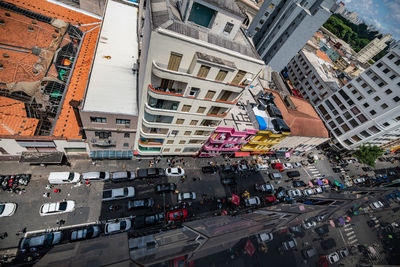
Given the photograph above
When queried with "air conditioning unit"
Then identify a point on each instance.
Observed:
(247, 81)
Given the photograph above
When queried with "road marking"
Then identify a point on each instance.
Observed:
(346, 225)
(353, 241)
(348, 229)
(349, 233)
(377, 225)
(340, 232)
(351, 237)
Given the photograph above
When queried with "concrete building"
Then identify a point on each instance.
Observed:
(339, 8)
(42, 87)
(195, 64)
(373, 48)
(366, 110)
(109, 111)
(233, 132)
(281, 28)
(249, 8)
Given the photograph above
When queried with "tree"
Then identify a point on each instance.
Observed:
(368, 154)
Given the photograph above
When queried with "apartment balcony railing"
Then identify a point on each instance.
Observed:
(103, 143)
(173, 92)
(217, 115)
(149, 143)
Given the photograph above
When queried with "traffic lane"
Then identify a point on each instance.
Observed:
(87, 207)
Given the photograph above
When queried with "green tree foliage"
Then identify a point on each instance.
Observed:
(357, 36)
(368, 154)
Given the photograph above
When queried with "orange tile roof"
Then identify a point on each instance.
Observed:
(303, 121)
(13, 119)
(66, 124)
(323, 56)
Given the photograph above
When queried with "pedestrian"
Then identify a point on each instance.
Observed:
(46, 194)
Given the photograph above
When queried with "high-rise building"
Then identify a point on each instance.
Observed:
(195, 63)
(373, 48)
(339, 8)
(367, 110)
(281, 28)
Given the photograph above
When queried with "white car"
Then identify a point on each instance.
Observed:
(252, 201)
(186, 196)
(7, 209)
(359, 180)
(96, 176)
(376, 205)
(57, 207)
(290, 244)
(333, 257)
(294, 193)
(287, 165)
(262, 166)
(118, 193)
(297, 165)
(347, 181)
(309, 224)
(265, 237)
(116, 227)
(174, 172)
(308, 192)
(318, 190)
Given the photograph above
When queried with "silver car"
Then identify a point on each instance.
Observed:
(86, 233)
(96, 176)
(118, 193)
(44, 240)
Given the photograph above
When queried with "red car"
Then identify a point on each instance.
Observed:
(277, 166)
(177, 215)
(270, 199)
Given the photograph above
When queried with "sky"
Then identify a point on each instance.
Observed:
(384, 14)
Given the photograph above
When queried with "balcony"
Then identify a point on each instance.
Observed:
(151, 141)
(103, 143)
(159, 90)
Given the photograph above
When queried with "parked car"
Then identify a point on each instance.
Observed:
(174, 172)
(96, 176)
(297, 165)
(287, 165)
(123, 176)
(308, 192)
(7, 209)
(293, 174)
(299, 184)
(147, 220)
(343, 252)
(64, 177)
(322, 230)
(277, 166)
(367, 169)
(318, 190)
(275, 175)
(270, 199)
(376, 205)
(268, 188)
(336, 170)
(140, 203)
(243, 166)
(359, 180)
(186, 196)
(321, 217)
(85, 233)
(297, 231)
(177, 215)
(252, 201)
(280, 193)
(347, 181)
(291, 244)
(262, 166)
(228, 181)
(328, 244)
(309, 252)
(209, 169)
(166, 188)
(55, 208)
(117, 227)
(41, 241)
(118, 193)
(265, 237)
(228, 168)
(333, 257)
(309, 224)
(294, 193)
(149, 173)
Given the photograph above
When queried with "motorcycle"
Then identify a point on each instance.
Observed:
(114, 207)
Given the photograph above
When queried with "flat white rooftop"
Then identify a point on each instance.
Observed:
(112, 85)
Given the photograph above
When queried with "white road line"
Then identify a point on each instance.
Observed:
(377, 225)
(351, 237)
(346, 225)
(340, 232)
(348, 229)
(349, 233)
(353, 241)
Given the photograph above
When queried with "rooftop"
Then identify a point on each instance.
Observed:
(302, 119)
(112, 85)
(165, 14)
(323, 67)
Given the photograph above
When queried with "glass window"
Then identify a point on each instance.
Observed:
(386, 124)
(348, 142)
(356, 138)
(361, 118)
(353, 123)
(339, 120)
(347, 115)
(194, 122)
(123, 121)
(186, 108)
(182, 142)
(221, 75)
(210, 94)
(98, 119)
(344, 95)
(366, 105)
(180, 121)
(384, 106)
(203, 71)
(239, 76)
(374, 129)
(379, 65)
(396, 99)
(174, 61)
(228, 27)
(386, 70)
(377, 98)
(188, 132)
(365, 134)
(127, 135)
(169, 142)
(345, 127)
(372, 112)
(388, 91)
(337, 132)
(201, 110)
(355, 110)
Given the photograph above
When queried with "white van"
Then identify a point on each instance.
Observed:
(64, 177)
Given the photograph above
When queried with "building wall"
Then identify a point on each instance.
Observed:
(367, 110)
(263, 141)
(72, 147)
(190, 137)
(299, 143)
(122, 136)
(11, 147)
(373, 48)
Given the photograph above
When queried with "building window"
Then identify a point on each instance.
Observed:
(397, 118)
(374, 129)
(366, 105)
(239, 76)
(98, 119)
(339, 120)
(355, 110)
(126, 144)
(194, 91)
(221, 75)
(365, 134)
(364, 85)
(379, 65)
(166, 150)
(361, 118)
(337, 132)
(356, 138)
(127, 135)
(396, 99)
(174, 132)
(391, 56)
(170, 142)
(345, 127)
(194, 122)
(377, 98)
(388, 91)
(381, 84)
(201, 110)
(182, 142)
(386, 70)
(386, 124)
(180, 121)
(332, 124)
(186, 108)
(123, 121)
(360, 98)
(102, 135)
(188, 132)
(397, 62)
(392, 77)
(348, 142)
(347, 115)
(177, 150)
(203, 71)
(228, 27)
(210, 94)
(354, 92)
(372, 112)
(384, 106)
(174, 61)
(353, 123)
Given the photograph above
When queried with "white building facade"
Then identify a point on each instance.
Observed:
(281, 28)
(366, 110)
(195, 64)
(373, 48)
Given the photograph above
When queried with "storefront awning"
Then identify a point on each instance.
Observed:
(111, 154)
(242, 154)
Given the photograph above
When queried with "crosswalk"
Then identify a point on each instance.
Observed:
(351, 237)
(377, 223)
(314, 171)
